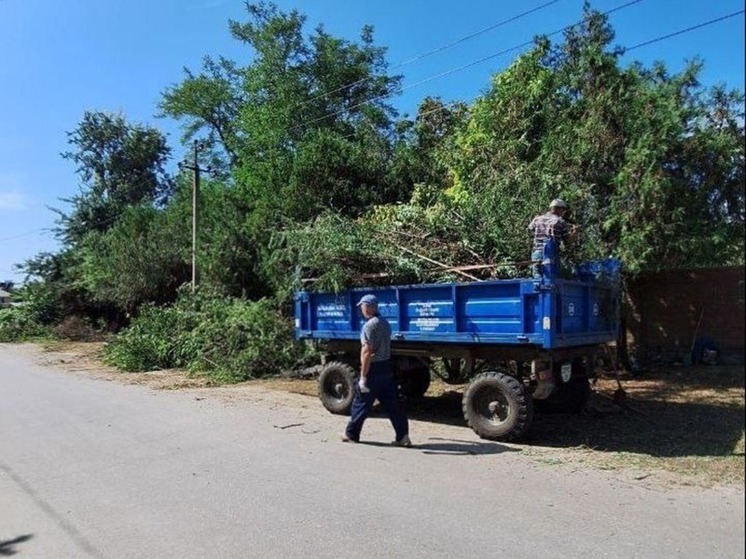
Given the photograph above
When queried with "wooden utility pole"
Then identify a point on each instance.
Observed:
(196, 170)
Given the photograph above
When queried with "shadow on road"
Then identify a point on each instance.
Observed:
(671, 413)
(7, 547)
(658, 428)
(451, 447)
(455, 447)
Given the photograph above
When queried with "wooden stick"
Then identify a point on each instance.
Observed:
(486, 266)
(445, 266)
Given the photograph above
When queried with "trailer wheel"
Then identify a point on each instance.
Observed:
(414, 382)
(567, 398)
(412, 375)
(337, 387)
(497, 407)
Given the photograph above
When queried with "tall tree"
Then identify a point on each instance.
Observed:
(119, 165)
(304, 126)
(651, 163)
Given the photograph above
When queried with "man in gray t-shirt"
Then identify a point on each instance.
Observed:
(376, 334)
(376, 381)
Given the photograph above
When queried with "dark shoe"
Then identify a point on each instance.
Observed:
(348, 439)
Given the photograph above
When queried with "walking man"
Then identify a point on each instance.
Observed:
(376, 381)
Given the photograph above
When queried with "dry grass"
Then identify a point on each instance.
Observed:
(682, 424)
(85, 358)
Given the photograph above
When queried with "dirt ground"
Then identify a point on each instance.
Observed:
(680, 425)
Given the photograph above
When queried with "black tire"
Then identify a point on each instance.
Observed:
(568, 397)
(497, 407)
(412, 377)
(337, 387)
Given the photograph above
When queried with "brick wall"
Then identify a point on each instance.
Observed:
(665, 308)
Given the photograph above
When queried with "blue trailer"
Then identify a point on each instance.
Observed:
(519, 343)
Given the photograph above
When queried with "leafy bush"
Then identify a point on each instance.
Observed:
(16, 324)
(42, 302)
(148, 343)
(229, 339)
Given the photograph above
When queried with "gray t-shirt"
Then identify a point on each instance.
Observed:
(376, 333)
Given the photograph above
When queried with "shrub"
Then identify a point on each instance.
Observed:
(230, 339)
(148, 343)
(242, 340)
(16, 325)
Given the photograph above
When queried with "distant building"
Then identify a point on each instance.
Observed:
(4, 299)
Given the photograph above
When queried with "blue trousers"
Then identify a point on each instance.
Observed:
(537, 268)
(383, 388)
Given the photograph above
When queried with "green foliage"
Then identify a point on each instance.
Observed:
(143, 257)
(331, 251)
(651, 165)
(102, 270)
(229, 243)
(228, 339)
(148, 343)
(318, 180)
(17, 325)
(297, 138)
(119, 165)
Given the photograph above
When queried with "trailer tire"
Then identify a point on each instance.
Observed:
(567, 398)
(337, 387)
(497, 407)
(413, 379)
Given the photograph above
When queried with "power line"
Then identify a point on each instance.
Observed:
(466, 38)
(435, 50)
(682, 31)
(454, 70)
(26, 234)
(655, 40)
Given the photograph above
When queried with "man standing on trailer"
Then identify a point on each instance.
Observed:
(377, 381)
(551, 225)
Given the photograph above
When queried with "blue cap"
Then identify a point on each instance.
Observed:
(368, 300)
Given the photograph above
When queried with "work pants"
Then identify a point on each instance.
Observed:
(383, 387)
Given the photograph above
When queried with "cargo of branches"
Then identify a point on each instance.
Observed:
(516, 344)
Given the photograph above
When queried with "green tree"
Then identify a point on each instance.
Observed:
(304, 126)
(119, 165)
(143, 257)
(651, 163)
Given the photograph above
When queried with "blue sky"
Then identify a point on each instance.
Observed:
(58, 59)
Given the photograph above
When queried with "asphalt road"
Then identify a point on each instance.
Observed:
(90, 468)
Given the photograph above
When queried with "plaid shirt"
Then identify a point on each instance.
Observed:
(548, 226)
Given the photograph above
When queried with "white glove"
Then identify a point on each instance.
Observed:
(363, 387)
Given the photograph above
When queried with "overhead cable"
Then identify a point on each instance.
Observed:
(645, 43)
(454, 70)
(682, 31)
(436, 50)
